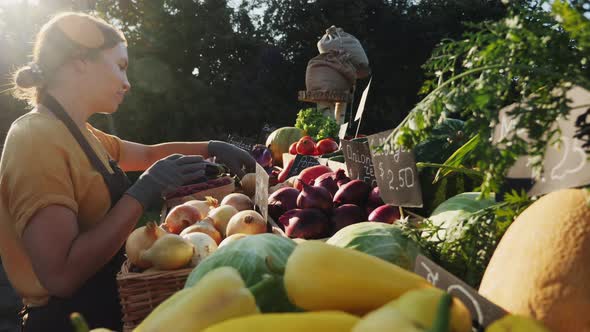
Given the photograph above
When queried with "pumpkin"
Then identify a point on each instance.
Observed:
(280, 140)
(541, 267)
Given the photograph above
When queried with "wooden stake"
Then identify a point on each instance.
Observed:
(339, 113)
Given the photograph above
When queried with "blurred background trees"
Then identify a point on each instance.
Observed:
(203, 69)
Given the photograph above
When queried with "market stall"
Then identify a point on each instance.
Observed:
(395, 230)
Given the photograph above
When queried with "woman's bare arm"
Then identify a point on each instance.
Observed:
(64, 258)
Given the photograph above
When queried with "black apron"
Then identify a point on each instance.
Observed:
(98, 299)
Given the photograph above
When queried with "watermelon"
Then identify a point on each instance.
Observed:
(248, 256)
(280, 140)
(385, 241)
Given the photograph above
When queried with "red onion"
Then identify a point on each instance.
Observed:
(306, 224)
(327, 181)
(284, 218)
(314, 198)
(369, 209)
(345, 215)
(341, 178)
(354, 192)
(375, 198)
(385, 213)
(309, 175)
(281, 201)
(262, 155)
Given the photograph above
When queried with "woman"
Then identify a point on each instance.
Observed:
(66, 207)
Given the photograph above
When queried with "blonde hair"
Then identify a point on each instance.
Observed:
(65, 37)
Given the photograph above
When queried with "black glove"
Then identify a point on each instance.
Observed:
(165, 176)
(237, 160)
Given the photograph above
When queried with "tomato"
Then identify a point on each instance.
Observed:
(327, 145)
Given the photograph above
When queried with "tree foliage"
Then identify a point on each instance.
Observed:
(203, 69)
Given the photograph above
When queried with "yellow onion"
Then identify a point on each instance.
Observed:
(203, 227)
(221, 216)
(203, 206)
(247, 222)
(140, 240)
(240, 201)
(180, 217)
(204, 246)
(169, 252)
(232, 238)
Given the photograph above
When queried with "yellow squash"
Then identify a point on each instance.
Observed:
(219, 296)
(319, 276)
(324, 321)
(386, 319)
(516, 323)
(415, 310)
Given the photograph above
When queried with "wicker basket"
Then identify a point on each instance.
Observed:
(140, 293)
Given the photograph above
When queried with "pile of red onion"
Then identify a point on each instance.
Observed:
(331, 202)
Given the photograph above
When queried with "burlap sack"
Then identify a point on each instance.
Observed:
(336, 39)
(331, 71)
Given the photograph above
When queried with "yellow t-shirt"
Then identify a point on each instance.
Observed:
(42, 164)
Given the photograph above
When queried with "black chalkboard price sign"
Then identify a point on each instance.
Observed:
(243, 143)
(483, 312)
(300, 163)
(357, 158)
(395, 171)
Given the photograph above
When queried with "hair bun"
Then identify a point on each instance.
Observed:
(28, 77)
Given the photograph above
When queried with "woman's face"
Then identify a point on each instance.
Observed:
(107, 77)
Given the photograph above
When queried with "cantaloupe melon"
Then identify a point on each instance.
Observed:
(541, 267)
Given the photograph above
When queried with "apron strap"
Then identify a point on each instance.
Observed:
(117, 182)
(55, 107)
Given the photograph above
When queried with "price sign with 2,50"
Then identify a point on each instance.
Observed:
(396, 173)
(405, 177)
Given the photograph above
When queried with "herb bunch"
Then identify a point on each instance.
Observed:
(315, 124)
(468, 255)
(529, 60)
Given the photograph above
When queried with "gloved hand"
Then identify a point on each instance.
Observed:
(165, 176)
(237, 160)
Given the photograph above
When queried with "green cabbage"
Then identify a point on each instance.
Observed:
(249, 256)
(378, 239)
(450, 215)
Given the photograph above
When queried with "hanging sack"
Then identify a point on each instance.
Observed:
(331, 72)
(336, 39)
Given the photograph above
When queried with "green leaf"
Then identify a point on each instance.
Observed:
(481, 100)
(457, 158)
(449, 169)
